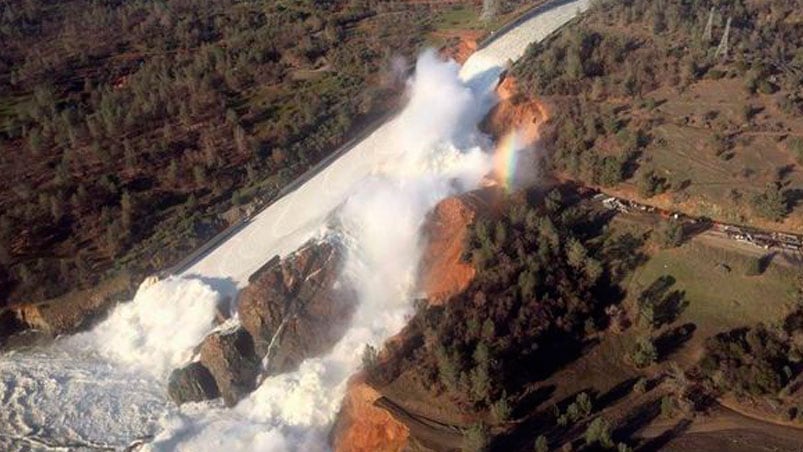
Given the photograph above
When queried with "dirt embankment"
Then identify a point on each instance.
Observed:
(364, 427)
(443, 272)
(460, 43)
(514, 113)
(361, 424)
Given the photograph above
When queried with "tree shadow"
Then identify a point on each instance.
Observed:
(543, 421)
(624, 252)
(615, 394)
(529, 402)
(664, 438)
(668, 342)
(765, 261)
(793, 197)
(638, 418)
(667, 305)
(670, 307)
(785, 170)
(700, 226)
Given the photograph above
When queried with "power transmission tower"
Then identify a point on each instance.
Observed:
(722, 49)
(708, 26)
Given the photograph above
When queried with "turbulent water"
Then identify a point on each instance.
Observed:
(105, 388)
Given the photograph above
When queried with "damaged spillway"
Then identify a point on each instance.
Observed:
(108, 387)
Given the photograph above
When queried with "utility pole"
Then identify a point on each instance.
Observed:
(708, 26)
(722, 49)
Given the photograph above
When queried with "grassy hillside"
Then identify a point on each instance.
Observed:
(585, 329)
(642, 102)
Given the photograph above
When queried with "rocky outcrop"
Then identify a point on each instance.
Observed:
(230, 358)
(75, 311)
(295, 308)
(292, 309)
(191, 383)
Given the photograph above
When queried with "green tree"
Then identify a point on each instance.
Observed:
(771, 203)
(480, 376)
(369, 357)
(667, 406)
(541, 444)
(650, 184)
(644, 354)
(127, 211)
(670, 234)
(476, 438)
(501, 409)
(447, 369)
(599, 432)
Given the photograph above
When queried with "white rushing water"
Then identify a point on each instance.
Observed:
(106, 386)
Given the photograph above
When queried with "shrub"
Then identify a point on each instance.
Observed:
(599, 432)
(796, 146)
(476, 438)
(650, 184)
(770, 204)
(667, 407)
(644, 354)
(670, 234)
(501, 409)
(640, 387)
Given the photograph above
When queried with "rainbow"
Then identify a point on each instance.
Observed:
(505, 159)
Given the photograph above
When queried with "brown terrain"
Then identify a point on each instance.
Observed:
(462, 43)
(362, 425)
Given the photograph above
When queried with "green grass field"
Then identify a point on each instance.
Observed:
(718, 300)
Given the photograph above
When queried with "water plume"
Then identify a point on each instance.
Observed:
(435, 150)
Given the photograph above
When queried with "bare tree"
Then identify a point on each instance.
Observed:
(489, 8)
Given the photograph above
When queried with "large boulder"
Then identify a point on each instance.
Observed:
(293, 309)
(191, 383)
(230, 357)
(75, 311)
(296, 308)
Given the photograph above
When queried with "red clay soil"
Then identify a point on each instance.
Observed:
(513, 113)
(462, 43)
(443, 273)
(363, 427)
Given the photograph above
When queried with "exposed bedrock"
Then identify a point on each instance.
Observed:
(297, 308)
(192, 383)
(229, 356)
(292, 309)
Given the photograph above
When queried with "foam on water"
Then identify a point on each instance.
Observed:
(379, 223)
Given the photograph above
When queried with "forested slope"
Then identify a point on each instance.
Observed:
(131, 131)
(646, 99)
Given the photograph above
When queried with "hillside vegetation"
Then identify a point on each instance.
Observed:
(132, 131)
(643, 102)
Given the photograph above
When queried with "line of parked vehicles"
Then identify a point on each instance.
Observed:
(757, 237)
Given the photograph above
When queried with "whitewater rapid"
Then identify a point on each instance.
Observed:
(106, 387)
